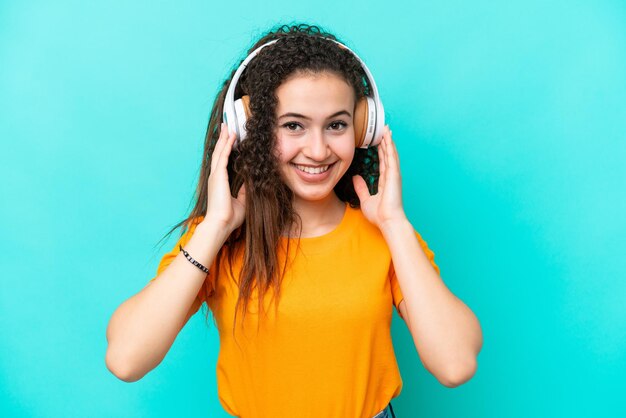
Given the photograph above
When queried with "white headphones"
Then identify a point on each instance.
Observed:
(369, 114)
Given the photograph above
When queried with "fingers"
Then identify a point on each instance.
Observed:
(382, 164)
(217, 150)
(228, 146)
(223, 145)
(393, 161)
(391, 165)
(360, 187)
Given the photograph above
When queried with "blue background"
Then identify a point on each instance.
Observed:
(510, 120)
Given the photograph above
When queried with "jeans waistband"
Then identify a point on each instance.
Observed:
(386, 413)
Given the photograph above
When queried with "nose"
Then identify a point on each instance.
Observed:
(316, 147)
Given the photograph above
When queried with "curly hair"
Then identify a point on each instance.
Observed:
(302, 49)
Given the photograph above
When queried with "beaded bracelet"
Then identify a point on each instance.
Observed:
(194, 262)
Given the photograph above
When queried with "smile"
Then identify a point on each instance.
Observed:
(314, 174)
(312, 170)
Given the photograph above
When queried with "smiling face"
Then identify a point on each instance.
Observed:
(314, 133)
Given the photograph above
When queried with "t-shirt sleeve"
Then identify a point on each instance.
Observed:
(395, 286)
(167, 259)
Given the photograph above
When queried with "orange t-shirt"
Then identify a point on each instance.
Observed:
(326, 351)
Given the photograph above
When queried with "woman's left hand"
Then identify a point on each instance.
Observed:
(386, 205)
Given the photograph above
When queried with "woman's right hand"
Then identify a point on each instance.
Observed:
(222, 208)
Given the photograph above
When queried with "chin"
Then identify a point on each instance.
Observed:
(313, 197)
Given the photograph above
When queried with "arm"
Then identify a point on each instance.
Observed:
(142, 330)
(446, 333)
(144, 327)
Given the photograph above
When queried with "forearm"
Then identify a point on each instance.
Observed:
(445, 331)
(144, 327)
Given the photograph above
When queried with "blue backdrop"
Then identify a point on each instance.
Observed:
(510, 120)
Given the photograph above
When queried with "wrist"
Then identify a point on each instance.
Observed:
(214, 230)
(396, 225)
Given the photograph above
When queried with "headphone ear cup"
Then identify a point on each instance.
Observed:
(242, 113)
(360, 122)
(364, 122)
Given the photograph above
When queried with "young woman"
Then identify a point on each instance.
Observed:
(300, 246)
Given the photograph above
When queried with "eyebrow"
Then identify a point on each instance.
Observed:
(298, 115)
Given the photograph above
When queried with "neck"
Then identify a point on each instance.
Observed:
(320, 216)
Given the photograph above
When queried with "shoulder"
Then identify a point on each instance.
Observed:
(365, 234)
(362, 226)
(357, 217)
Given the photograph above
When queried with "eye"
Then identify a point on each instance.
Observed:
(338, 125)
(291, 126)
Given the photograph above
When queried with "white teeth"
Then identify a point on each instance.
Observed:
(312, 170)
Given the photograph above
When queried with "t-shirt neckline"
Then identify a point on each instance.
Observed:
(328, 240)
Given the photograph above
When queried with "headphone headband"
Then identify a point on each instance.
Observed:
(375, 117)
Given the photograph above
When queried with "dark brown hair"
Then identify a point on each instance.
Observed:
(269, 212)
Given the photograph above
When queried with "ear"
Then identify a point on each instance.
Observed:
(241, 194)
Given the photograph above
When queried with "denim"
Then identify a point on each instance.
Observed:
(386, 413)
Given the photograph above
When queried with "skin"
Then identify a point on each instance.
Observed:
(322, 136)
(446, 333)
